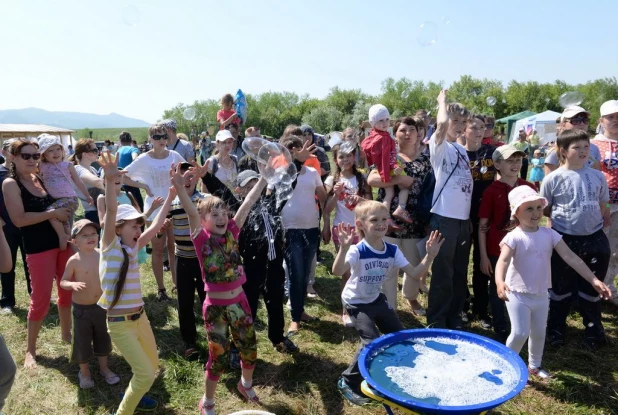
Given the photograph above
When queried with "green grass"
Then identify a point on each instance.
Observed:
(305, 383)
(101, 134)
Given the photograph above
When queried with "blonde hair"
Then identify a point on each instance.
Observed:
(207, 205)
(364, 209)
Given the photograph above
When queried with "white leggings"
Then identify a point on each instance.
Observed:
(528, 314)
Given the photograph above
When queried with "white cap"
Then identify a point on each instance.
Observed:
(46, 141)
(522, 194)
(378, 112)
(609, 107)
(223, 135)
(572, 111)
(127, 212)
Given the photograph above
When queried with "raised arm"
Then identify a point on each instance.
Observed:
(247, 204)
(15, 207)
(178, 181)
(346, 237)
(441, 118)
(110, 167)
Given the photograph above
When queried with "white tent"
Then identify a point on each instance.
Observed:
(544, 124)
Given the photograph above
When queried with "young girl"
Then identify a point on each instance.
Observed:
(525, 264)
(226, 308)
(537, 174)
(127, 323)
(59, 177)
(381, 151)
(368, 263)
(226, 115)
(345, 189)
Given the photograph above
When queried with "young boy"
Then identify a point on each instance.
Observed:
(577, 197)
(90, 337)
(368, 262)
(494, 216)
(188, 273)
(450, 216)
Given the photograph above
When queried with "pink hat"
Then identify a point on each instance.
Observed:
(521, 195)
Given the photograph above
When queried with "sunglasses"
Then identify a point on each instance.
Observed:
(92, 150)
(28, 156)
(489, 126)
(578, 121)
(158, 137)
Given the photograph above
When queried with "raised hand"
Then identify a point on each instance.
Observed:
(304, 153)
(346, 234)
(434, 243)
(156, 203)
(176, 177)
(442, 96)
(198, 170)
(109, 164)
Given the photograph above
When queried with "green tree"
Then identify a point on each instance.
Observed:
(324, 119)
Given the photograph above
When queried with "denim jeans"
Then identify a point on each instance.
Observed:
(300, 248)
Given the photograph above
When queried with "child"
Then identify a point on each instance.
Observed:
(90, 337)
(494, 217)
(381, 150)
(226, 115)
(345, 189)
(368, 263)
(525, 257)
(59, 177)
(537, 173)
(215, 238)
(127, 323)
(577, 197)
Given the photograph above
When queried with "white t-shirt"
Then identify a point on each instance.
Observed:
(155, 173)
(369, 269)
(342, 213)
(454, 201)
(300, 211)
(530, 269)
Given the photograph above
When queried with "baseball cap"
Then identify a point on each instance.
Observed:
(170, 123)
(245, 177)
(127, 212)
(572, 111)
(223, 135)
(506, 151)
(609, 107)
(80, 225)
(521, 195)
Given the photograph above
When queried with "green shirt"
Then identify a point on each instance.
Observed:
(521, 146)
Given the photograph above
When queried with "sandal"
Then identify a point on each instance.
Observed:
(248, 393)
(402, 215)
(206, 409)
(111, 379)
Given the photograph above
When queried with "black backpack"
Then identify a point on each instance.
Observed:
(426, 201)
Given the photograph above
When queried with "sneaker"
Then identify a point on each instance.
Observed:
(234, 359)
(555, 338)
(146, 404)
(350, 395)
(289, 304)
(419, 312)
(166, 266)
(162, 296)
(311, 293)
(7, 310)
(347, 321)
(286, 346)
(485, 323)
(538, 373)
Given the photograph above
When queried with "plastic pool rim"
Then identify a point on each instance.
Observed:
(403, 335)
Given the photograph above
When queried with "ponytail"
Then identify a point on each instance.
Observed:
(122, 278)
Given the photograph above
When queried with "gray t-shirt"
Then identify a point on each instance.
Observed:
(184, 148)
(82, 171)
(575, 197)
(595, 155)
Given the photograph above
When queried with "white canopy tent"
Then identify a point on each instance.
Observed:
(31, 131)
(544, 124)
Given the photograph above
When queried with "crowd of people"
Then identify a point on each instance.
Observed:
(445, 190)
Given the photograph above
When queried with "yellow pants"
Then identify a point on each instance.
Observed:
(136, 343)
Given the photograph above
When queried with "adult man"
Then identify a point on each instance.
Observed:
(607, 144)
(182, 147)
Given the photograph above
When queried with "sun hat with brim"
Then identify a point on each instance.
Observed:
(521, 195)
(46, 141)
(127, 212)
(609, 107)
(80, 225)
(223, 135)
(572, 111)
(505, 152)
(245, 177)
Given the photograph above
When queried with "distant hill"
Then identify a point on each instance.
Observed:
(72, 120)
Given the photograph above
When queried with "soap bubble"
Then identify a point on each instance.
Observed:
(570, 98)
(252, 145)
(284, 193)
(504, 101)
(547, 100)
(491, 101)
(427, 34)
(189, 114)
(130, 15)
(405, 94)
(274, 163)
(347, 147)
(446, 20)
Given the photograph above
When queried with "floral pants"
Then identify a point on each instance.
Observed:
(219, 321)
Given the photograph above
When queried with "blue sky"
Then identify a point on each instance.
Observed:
(71, 55)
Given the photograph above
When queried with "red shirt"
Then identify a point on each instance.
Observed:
(495, 207)
(381, 150)
(223, 115)
(609, 164)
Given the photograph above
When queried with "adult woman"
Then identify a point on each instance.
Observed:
(223, 165)
(151, 171)
(126, 154)
(26, 201)
(86, 153)
(416, 166)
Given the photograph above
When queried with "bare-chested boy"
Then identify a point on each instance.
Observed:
(90, 337)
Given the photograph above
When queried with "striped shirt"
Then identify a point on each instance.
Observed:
(109, 270)
(182, 233)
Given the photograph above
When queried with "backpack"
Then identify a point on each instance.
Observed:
(215, 163)
(426, 201)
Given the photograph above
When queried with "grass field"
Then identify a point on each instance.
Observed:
(584, 383)
(101, 134)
